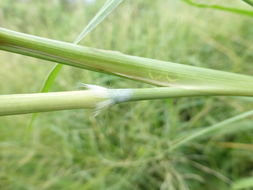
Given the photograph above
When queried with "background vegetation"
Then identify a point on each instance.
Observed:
(126, 147)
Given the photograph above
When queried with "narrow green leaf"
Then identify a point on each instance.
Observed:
(250, 2)
(222, 8)
(45, 88)
(51, 77)
(208, 130)
(108, 8)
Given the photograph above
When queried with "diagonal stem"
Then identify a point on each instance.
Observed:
(151, 71)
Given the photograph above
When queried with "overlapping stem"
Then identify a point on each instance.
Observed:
(161, 73)
(97, 98)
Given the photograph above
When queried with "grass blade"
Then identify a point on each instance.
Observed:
(222, 8)
(48, 83)
(45, 88)
(106, 10)
(249, 2)
(51, 78)
(211, 129)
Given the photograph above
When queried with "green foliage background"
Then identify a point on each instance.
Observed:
(126, 146)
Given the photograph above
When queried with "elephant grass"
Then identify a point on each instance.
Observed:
(177, 80)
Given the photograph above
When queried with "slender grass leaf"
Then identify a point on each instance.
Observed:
(208, 130)
(222, 8)
(51, 77)
(106, 10)
(45, 88)
(249, 2)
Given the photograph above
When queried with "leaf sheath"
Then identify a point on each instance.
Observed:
(151, 71)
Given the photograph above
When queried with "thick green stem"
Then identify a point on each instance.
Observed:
(151, 71)
(44, 102)
(97, 97)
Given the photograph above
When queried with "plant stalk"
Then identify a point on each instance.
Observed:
(44, 102)
(95, 98)
(161, 73)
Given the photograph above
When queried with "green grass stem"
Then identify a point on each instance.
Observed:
(161, 73)
(97, 97)
(151, 71)
(54, 101)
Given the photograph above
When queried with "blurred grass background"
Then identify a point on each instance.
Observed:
(124, 147)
